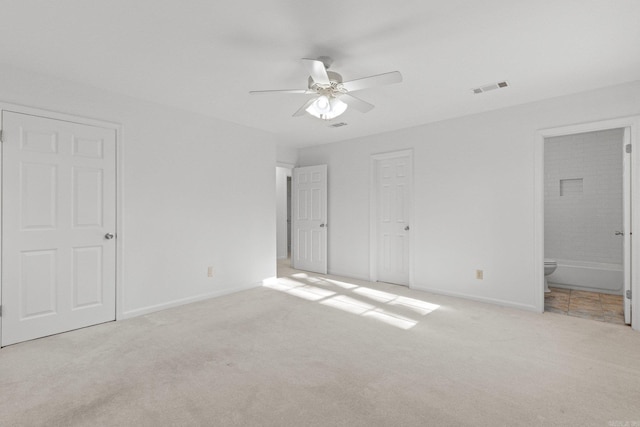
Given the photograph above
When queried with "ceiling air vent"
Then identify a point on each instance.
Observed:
(337, 125)
(492, 86)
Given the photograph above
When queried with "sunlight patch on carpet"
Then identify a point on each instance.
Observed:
(347, 297)
(421, 307)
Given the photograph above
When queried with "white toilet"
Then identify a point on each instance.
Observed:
(550, 266)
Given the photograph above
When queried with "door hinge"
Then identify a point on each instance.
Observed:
(1, 140)
(0, 311)
(628, 293)
(627, 148)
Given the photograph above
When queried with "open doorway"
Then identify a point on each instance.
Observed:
(283, 214)
(301, 217)
(586, 224)
(571, 185)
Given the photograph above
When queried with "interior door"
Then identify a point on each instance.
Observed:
(628, 234)
(393, 199)
(310, 218)
(58, 226)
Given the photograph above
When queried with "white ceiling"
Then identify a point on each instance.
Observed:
(206, 55)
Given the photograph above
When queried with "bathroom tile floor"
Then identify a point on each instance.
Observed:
(588, 305)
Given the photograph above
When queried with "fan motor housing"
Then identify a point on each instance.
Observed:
(336, 85)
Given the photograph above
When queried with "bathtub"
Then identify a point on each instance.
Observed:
(588, 276)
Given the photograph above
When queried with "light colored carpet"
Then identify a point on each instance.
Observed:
(326, 351)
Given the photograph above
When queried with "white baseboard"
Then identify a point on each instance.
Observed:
(494, 301)
(170, 304)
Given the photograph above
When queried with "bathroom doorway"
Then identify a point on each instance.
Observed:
(584, 224)
(584, 204)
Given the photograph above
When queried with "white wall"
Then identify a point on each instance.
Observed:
(579, 224)
(287, 155)
(198, 192)
(473, 194)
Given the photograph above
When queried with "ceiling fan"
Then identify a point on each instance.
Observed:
(332, 96)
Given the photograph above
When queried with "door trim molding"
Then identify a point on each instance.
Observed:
(117, 127)
(289, 168)
(373, 215)
(285, 165)
(633, 123)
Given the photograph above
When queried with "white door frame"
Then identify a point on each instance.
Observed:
(290, 167)
(633, 123)
(373, 212)
(119, 187)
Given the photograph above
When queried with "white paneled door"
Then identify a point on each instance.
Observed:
(393, 203)
(310, 218)
(58, 226)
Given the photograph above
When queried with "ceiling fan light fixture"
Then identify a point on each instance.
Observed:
(322, 105)
(328, 87)
(327, 108)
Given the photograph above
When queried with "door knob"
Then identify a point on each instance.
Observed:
(322, 225)
(619, 233)
(109, 236)
(406, 228)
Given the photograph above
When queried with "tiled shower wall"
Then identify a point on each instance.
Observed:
(583, 196)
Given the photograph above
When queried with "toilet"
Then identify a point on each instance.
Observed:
(550, 266)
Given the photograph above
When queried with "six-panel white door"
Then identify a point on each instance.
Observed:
(58, 198)
(393, 198)
(310, 218)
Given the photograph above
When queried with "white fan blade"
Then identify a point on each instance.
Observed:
(377, 80)
(303, 109)
(356, 103)
(302, 91)
(317, 71)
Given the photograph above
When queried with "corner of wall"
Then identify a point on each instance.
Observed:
(286, 155)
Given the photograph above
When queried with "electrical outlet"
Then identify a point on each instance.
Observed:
(479, 274)
(210, 272)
